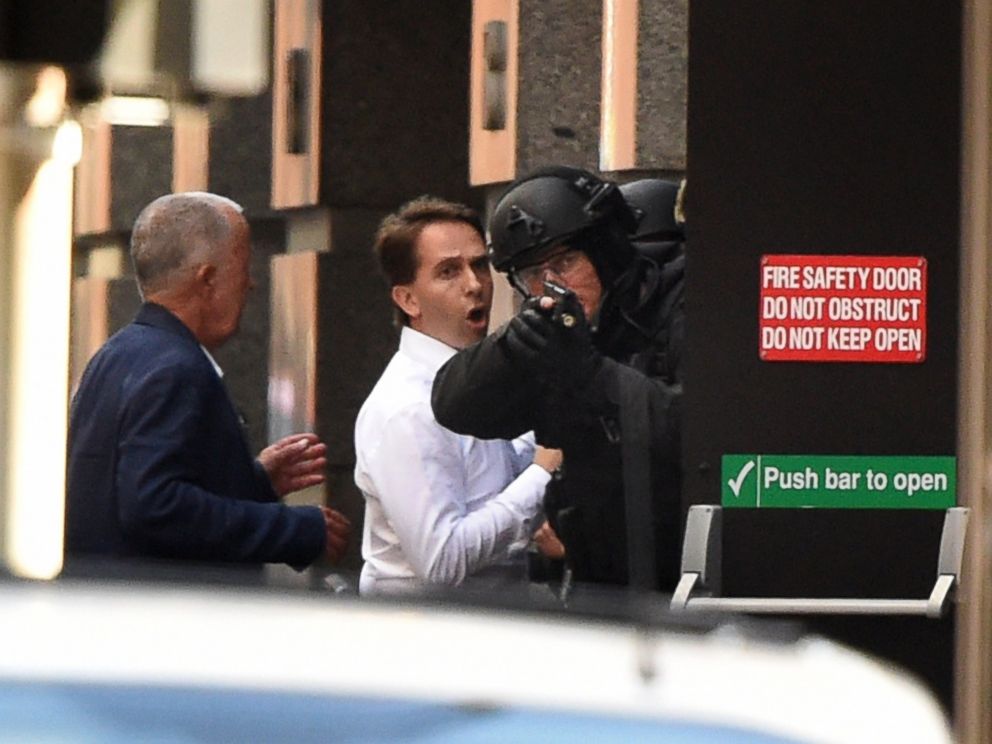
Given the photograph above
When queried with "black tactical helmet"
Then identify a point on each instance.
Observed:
(549, 206)
(659, 230)
(654, 200)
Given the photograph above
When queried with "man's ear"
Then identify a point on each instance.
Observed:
(206, 275)
(405, 300)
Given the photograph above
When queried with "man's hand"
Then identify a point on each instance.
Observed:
(338, 531)
(294, 462)
(548, 543)
(549, 459)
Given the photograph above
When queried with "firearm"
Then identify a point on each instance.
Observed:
(559, 294)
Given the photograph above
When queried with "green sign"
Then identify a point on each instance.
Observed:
(839, 482)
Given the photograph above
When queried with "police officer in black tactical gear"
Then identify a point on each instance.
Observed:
(658, 204)
(592, 363)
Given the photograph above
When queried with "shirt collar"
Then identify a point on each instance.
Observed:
(220, 372)
(425, 349)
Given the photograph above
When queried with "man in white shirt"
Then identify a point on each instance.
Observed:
(440, 508)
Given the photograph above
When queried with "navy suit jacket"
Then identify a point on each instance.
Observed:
(158, 463)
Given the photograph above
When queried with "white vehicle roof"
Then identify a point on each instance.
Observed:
(811, 690)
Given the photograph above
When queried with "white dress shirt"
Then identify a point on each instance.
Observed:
(213, 362)
(440, 507)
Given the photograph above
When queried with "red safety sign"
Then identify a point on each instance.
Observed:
(843, 308)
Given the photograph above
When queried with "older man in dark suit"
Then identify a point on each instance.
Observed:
(158, 463)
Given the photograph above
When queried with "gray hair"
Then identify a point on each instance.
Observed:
(175, 232)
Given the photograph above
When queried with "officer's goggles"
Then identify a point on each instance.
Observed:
(561, 263)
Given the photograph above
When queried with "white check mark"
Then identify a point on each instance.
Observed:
(736, 483)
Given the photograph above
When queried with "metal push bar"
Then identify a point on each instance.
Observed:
(699, 587)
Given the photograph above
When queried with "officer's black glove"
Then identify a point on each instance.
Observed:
(574, 361)
(525, 338)
(553, 344)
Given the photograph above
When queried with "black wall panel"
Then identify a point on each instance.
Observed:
(823, 128)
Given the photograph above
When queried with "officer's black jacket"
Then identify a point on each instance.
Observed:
(640, 334)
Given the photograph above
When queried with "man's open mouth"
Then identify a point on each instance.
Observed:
(476, 315)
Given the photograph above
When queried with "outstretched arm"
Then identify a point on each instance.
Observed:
(480, 392)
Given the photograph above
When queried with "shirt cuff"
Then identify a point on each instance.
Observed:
(534, 480)
(536, 474)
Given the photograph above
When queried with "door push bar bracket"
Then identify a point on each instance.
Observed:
(699, 587)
